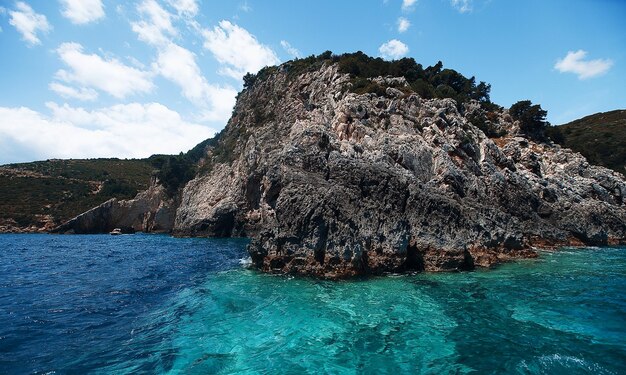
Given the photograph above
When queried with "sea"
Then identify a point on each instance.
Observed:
(153, 304)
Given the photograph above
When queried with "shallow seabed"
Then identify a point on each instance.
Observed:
(155, 304)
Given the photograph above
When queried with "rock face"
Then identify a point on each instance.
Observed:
(150, 211)
(334, 184)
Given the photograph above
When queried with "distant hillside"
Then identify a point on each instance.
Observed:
(601, 138)
(43, 194)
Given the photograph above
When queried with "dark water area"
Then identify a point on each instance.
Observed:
(155, 304)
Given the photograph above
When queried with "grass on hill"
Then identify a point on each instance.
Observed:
(601, 138)
(66, 188)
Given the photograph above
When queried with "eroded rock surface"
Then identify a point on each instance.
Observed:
(334, 184)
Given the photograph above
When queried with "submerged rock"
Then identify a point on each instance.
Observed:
(334, 184)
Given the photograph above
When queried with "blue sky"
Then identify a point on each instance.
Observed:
(104, 78)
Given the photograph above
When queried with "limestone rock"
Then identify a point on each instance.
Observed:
(334, 184)
(150, 211)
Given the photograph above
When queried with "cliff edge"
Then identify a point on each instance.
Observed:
(331, 181)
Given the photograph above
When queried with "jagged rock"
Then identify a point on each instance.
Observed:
(342, 184)
(334, 184)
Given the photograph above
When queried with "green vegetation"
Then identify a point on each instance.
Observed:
(173, 171)
(532, 118)
(134, 171)
(601, 138)
(488, 122)
(430, 82)
(66, 188)
(63, 189)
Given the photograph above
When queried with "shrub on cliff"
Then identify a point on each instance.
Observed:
(432, 82)
(174, 171)
(248, 80)
(532, 119)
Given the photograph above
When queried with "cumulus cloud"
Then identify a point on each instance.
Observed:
(408, 4)
(178, 65)
(73, 93)
(28, 23)
(393, 49)
(90, 71)
(188, 8)
(156, 27)
(237, 50)
(403, 24)
(292, 51)
(82, 11)
(463, 6)
(574, 62)
(127, 130)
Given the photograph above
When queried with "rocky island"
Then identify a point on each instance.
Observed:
(337, 166)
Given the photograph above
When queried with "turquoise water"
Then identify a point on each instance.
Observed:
(154, 304)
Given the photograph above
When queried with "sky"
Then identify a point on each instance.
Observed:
(109, 78)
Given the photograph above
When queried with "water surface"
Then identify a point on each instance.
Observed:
(155, 304)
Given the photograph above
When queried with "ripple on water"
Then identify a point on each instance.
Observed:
(312, 326)
(154, 304)
(561, 364)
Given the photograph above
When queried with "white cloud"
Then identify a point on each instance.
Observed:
(463, 6)
(105, 74)
(127, 131)
(28, 23)
(393, 49)
(178, 65)
(403, 24)
(408, 4)
(245, 7)
(82, 11)
(188, 8)
(237, 50)
(157, 29)
(73, 93)
(574, 62)
(293, 52)
(136, 63)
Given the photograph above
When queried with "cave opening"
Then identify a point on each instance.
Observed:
(414, 259)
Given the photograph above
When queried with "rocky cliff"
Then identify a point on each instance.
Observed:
(152, 210)
(331, 183)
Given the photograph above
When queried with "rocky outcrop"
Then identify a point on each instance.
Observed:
(150, 211)
(334, 184)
